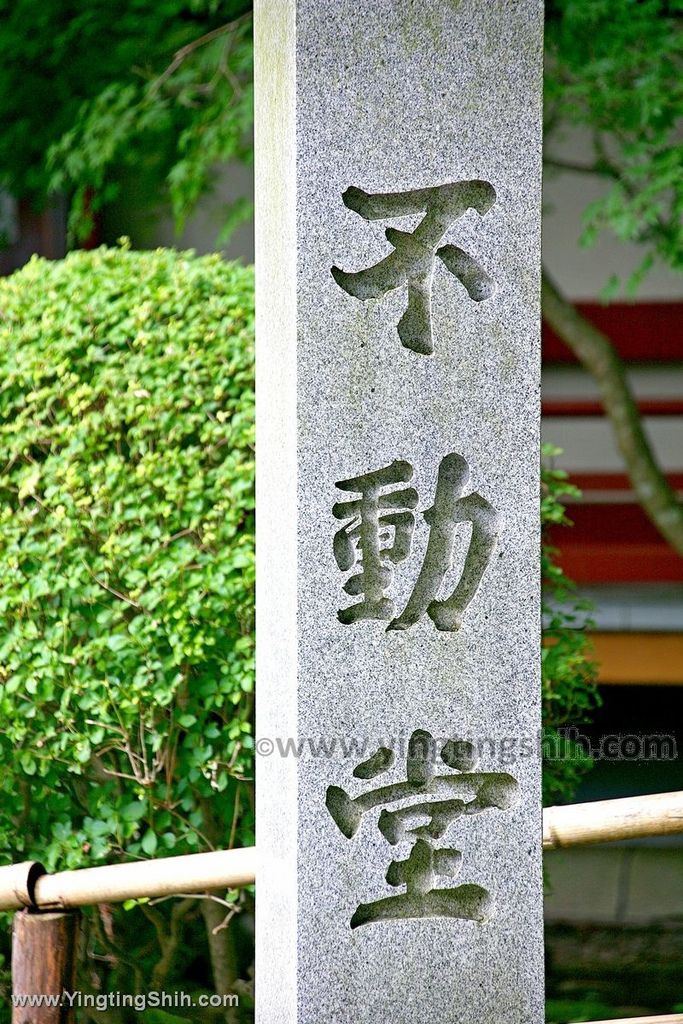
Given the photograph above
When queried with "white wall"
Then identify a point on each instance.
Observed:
(135, 216)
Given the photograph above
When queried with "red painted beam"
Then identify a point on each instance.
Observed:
(641, 332)
(615, 544)
(615, 481)
(581, 407)
(589, 564)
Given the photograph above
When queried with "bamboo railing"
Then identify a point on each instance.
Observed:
(29, 885)
(667, 1018)
(45, 941)
(603, 821)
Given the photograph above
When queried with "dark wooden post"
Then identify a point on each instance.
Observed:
(43, 964)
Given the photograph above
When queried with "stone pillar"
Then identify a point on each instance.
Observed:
(398, 712)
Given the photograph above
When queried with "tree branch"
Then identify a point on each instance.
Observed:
(596, 352)
(568, 165)
(189, 48)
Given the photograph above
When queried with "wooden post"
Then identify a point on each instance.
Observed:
(43, 965)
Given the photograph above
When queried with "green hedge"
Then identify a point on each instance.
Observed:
(126, 556)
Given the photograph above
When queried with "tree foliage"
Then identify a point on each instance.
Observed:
(95, 90)
(126, 557)
(615, 69)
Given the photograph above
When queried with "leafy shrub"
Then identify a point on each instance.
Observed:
(568, 669)
(126, 551)
(126, 557)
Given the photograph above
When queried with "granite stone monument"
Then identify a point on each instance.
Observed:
(398, 165)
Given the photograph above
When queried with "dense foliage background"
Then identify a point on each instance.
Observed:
(127, 569)
(95, 90)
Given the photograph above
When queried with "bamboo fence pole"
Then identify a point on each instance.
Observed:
(169, 876)
(602, 821)
(668, 1018)
(152, 878)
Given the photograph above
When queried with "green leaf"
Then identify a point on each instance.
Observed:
(149, 843)
(134, 811)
